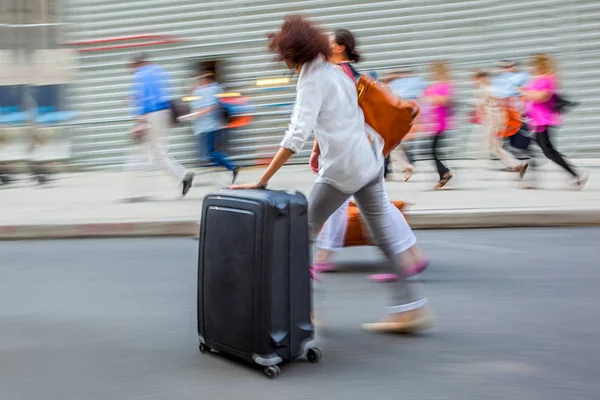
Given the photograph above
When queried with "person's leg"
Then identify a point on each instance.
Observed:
(399, 156)
(323, 200)
(407, 311)
(331, 238)
(216, 156)
(442, 170)
(544, 141)
(157, 132)
(508, 159)
(137, 163)
(386, 167)
(406, 148)
(201, 149)
(406, 242)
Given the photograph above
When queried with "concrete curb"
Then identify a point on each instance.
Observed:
(503, 218)
(426, 219)
(100, 230)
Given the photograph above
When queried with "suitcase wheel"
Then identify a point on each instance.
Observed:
(203, 348)
(314, 355)
(272, 372)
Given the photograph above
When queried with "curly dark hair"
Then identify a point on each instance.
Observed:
(299, 41)
(343, 37)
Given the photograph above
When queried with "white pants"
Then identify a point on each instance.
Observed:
(494, 123)
(156, 142)
(333, 233)
(398, 157)
(151, 152)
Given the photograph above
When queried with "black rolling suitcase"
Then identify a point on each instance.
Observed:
(254, 295)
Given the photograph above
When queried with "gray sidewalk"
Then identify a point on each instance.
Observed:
(91, 204)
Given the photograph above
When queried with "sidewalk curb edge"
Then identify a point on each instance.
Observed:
(427, 219)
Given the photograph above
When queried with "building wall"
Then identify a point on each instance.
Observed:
(470, 33)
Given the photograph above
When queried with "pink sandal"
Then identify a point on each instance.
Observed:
(323, 267)
(411, 271)
(417, 268)
(314, 274)
(383, 278)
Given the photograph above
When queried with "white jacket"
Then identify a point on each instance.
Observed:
(327, 104)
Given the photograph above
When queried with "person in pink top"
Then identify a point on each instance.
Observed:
(540, 96)
(439, 96)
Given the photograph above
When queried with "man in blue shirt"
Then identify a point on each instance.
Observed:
(407, 86)
(152, 106)
(209, 123)
(507, 84)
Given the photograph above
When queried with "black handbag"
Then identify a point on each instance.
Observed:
(178, 109)
(522, 139)
(563, 105)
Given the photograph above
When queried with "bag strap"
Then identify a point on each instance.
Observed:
(350, 71)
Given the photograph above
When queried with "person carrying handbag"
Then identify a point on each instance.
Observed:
(331, 236)
(350, 161)
(540, 95)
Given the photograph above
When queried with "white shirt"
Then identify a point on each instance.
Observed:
(327, 104)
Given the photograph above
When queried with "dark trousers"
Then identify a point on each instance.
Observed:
(386, 166)
(207, 149)
(435, 145)
(543, 139)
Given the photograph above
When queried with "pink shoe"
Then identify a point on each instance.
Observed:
(323, 267)
(417, 268)
(313, 275)
(383, 278)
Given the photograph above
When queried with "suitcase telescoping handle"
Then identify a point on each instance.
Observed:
(291, 192)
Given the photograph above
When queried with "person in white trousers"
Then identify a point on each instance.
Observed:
(152, 106)
(493, 114)
(332, 235)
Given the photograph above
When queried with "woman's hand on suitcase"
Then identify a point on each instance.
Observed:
(260, 184)
(255, 185)
(276, 163)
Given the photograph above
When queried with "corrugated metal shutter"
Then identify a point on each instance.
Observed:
(470, 33)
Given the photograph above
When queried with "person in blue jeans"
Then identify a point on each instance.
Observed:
(209, 124)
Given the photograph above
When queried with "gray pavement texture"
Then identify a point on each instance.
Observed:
(115, 319)
(91, 204)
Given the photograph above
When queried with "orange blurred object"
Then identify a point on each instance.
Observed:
(239, 122)
(513, 122)
(357, 233)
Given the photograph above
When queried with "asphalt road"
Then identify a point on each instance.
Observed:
(115, 319)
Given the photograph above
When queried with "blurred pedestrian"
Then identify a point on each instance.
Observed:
(493, 114)
(209, 122)
(508, 83)
(350, 159)
(540, 95)
(152, 107)
(439, 97)
(506, 86)
(331, 236)
(406, 85)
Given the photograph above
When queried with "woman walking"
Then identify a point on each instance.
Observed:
(540, 94)
(439, 96)
(332, 235)
(350, 158)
